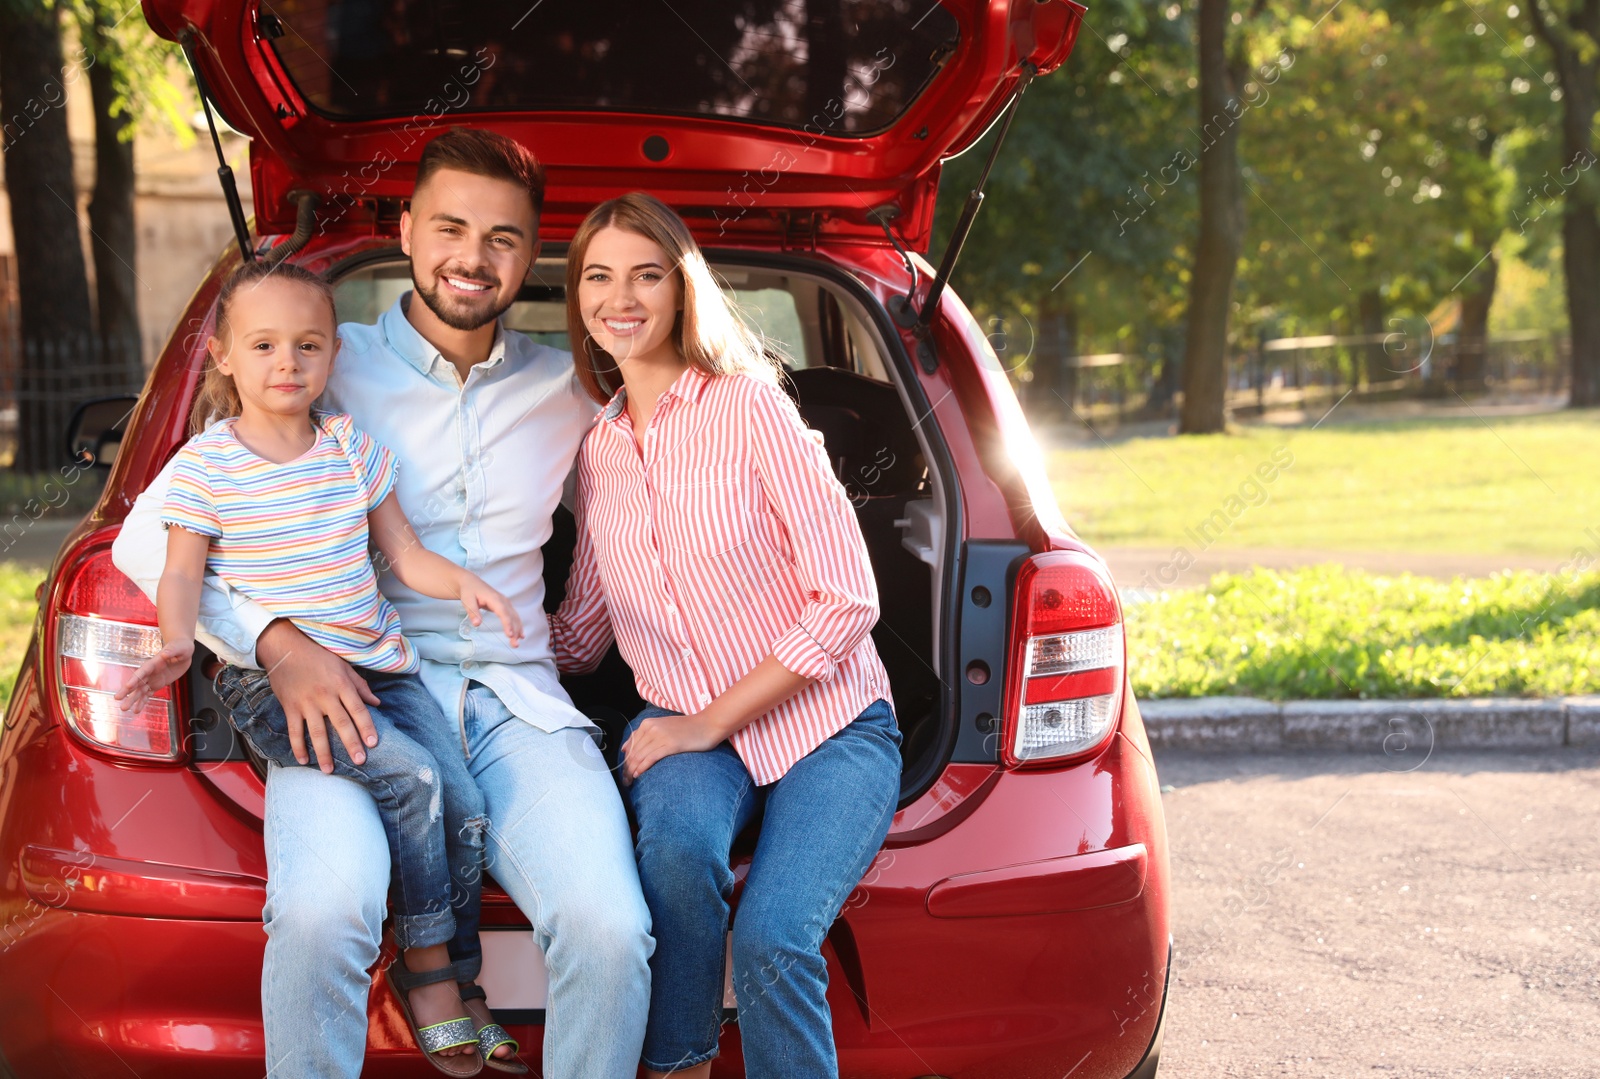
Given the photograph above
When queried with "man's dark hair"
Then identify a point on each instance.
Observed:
(484, 153)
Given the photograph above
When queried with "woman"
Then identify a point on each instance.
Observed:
(718, 549)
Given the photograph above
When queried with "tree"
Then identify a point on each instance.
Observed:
(1570, 29)
(1222, 224)
(52, 283)
(1386, 191)
(1089, 199)
(130, 82)
(1375, 147)
(1473, 109)
(111, 222)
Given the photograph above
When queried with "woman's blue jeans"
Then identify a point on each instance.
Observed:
(432, 811)
(822, 825)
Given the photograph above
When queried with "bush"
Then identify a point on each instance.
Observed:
(1326, 632)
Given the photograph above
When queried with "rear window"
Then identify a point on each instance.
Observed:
(799, 317)
(840, 67)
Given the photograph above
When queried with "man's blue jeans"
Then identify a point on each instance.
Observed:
(557, 841)
(822, 826)
(432, 811)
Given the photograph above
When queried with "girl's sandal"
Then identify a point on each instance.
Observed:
(491, 1035)
(446, 1035)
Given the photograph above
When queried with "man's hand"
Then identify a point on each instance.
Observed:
(161, 669)
(316, 688)
(662, 736)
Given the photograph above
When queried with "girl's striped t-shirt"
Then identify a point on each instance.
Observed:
(293, 536)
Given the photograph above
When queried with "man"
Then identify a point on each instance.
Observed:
(486, 424)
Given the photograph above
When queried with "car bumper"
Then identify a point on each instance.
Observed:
(180, 997)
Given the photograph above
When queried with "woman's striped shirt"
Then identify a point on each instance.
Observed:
(722, 540)
(293, 536)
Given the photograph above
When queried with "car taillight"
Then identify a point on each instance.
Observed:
(98, 629)
(1064, 678)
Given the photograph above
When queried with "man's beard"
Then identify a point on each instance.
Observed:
(457, 319)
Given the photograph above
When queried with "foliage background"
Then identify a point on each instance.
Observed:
(1385, 148)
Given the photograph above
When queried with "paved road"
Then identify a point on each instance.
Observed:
(1156, 568)
(34, 543)
(1337, 919)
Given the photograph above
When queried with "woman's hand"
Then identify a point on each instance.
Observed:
(662, 736)
(476, 595)
(161, 669)
(753, 696)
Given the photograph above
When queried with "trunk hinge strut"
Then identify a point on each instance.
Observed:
(230, 189)
(905, 312)
(885, 216)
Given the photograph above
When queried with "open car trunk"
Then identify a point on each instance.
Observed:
(845, 385)
(754, 119)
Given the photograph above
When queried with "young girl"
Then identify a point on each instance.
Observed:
(716, 545)
(280, 502)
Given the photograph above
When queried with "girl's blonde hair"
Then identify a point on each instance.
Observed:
(218, 398)
(708, 332)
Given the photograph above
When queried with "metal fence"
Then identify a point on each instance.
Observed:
(41, 383)
(1303, 373)
(43, 380)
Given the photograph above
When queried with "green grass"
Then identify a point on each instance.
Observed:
(66, 493)
(17, 607)
(1326, 632)
(24, 499)
(1511, 485)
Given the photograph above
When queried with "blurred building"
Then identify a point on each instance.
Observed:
(181, 219)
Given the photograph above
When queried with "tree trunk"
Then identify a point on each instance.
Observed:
(1055, 384)
(1571, 42)
(1472, 339)
(1164, 380)
(1580, 259)
(52, 287)
(119, 368)
(1216, 260)
(1580, 229)
(1369, 309)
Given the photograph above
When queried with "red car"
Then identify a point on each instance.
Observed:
(1016, 922)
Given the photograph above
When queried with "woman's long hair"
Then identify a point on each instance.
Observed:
(708, 332)
(218, 398)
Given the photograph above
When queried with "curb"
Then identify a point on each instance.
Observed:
(1393, 727)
